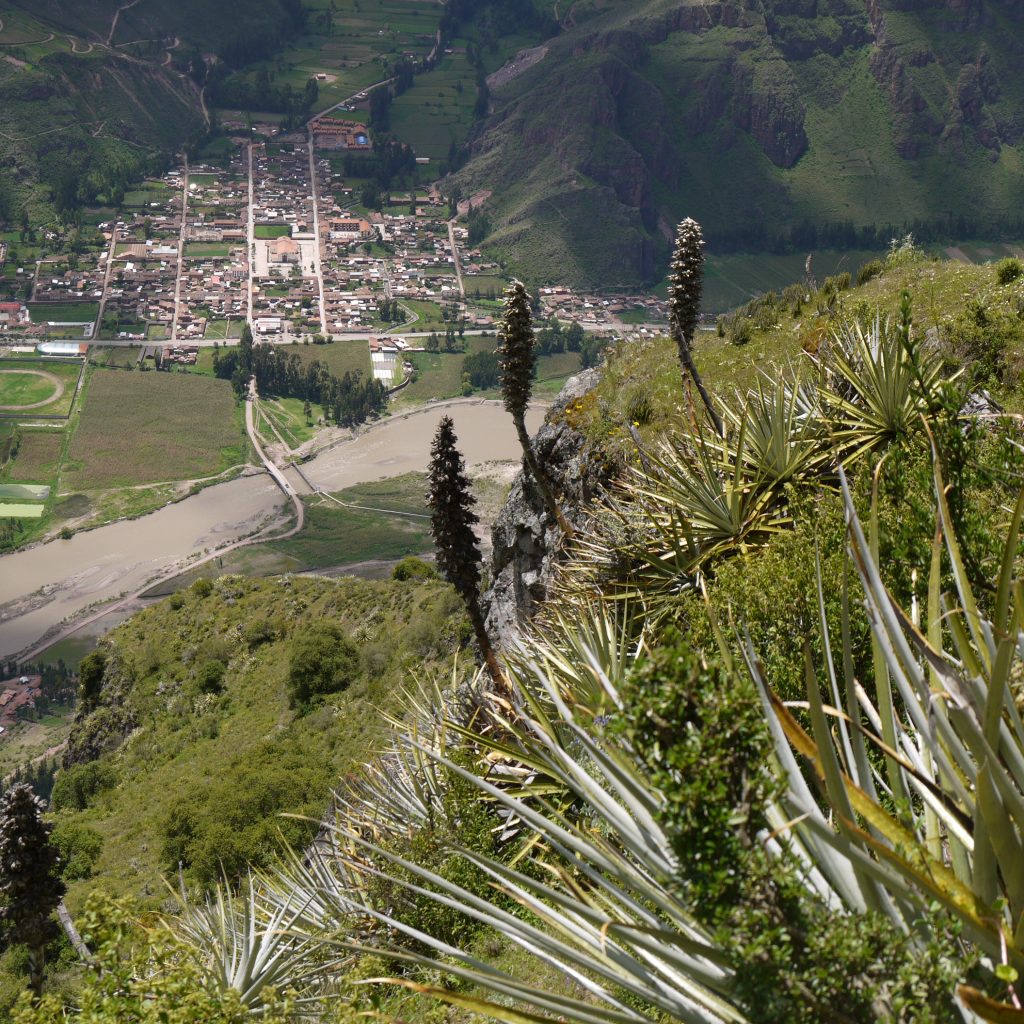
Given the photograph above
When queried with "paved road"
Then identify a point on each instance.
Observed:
(455, 256)
(181, 252)
(317, 266)
(251, 238)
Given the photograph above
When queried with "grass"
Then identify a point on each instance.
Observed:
(63, 312)
(286, 415)
(439, 374)
(138, 428)
(25, 387)
(209, 250)
(334, 535)
(340, 357)
(271, 230)
(437, 111)
(20, 510)
(66, 370)
(234, 762)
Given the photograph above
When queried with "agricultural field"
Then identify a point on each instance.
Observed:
(138, 428)
(117, 355)
(63, 312)
(38, 458)
(335, 535)
(437, 112)
(439, 374)
(286, 416)
(353, 44)
(38, 387)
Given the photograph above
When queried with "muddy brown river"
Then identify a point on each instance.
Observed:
(69, 579)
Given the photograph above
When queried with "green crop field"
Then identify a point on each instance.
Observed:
(286, 415)
(138, 428)
(340, 357)
(438, 110)
(24, 492)
(336, 536)
(271, 230)
(349, 42)
(63, 312)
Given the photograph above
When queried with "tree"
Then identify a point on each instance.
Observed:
(30, 886)
(686, 283)
(451, 523)
(518, 360)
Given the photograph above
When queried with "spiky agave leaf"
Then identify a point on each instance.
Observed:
(247, 941)
(955, 741)
(874, 390)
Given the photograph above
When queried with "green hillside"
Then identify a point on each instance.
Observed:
(194, 742)
(804, 125)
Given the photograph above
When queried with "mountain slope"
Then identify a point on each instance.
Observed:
(785, 122)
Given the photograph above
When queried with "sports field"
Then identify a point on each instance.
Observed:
(144, 427)
(37, 387)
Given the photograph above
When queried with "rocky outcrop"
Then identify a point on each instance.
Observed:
(771, 110)
(105, 724)
(525, 540)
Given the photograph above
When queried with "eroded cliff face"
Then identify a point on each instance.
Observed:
(653, 110)
(525, 540)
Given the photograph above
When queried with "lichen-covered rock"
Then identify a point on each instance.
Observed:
(525, 539)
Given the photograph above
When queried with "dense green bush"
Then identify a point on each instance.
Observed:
(80, 848)
(413, 568)
(210, 676)
(700, 732)
(75, 787)
(1009, 270)
(90, 677)
(323, 661)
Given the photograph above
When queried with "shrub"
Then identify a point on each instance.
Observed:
(210, 677)
(639, 407)
(868, 271)
(413, 568)
(90, 678)
(258, 632)
(836, 283)
(80, 848)
(1009, 270)
(74, 787)
(176, 601)
(202, 588)
(740, 331)
(323, 661)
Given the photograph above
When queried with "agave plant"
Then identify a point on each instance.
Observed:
(247, 942)
(941, 822)
(874, 388)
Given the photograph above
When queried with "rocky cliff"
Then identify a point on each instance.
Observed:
(525, 539)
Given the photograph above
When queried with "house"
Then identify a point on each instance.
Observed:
(12, 313)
